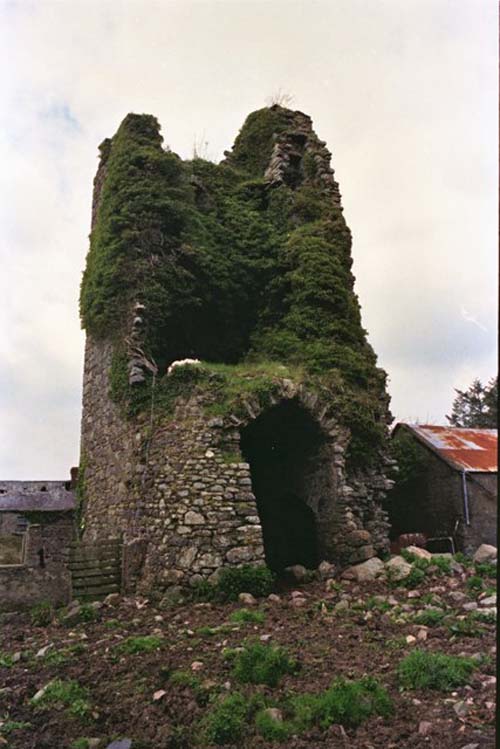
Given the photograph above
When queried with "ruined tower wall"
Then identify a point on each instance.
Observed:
(196, 512)
(108, 450)
(175, 480)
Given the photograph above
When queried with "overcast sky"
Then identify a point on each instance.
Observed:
(403, 91)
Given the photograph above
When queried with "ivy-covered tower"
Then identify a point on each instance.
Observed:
(273, 446)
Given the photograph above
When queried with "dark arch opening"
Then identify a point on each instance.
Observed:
(282, 447)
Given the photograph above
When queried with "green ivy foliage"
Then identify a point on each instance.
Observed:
(229, 268)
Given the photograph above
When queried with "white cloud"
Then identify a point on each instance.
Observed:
(405, 96)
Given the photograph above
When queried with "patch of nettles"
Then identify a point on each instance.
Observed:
(230, 270)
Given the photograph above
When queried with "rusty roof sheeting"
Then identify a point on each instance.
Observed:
(464, 449)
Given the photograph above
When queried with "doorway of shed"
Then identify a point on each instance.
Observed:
(282, 446)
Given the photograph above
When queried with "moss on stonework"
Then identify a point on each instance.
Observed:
(230, 270)
(228, 390)
(254, 143)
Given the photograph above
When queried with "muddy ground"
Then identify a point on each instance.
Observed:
(131, 695)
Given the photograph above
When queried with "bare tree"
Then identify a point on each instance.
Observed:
(281, 98)
(200, 148)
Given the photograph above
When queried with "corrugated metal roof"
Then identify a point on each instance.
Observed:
(465, 449)
(39, 496)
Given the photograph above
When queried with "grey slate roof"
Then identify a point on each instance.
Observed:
(39, 496)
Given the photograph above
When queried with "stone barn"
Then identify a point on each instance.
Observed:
(36, 528)
(269, 444)
(450, 487)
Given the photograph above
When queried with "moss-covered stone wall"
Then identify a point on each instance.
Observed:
(245, 265)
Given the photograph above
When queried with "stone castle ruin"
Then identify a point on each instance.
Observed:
(271, 446)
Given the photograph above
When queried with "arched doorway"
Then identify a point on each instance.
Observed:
(283, 447)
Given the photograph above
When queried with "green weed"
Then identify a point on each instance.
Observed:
(42, 614)
(485, 569)
(67, 694)
(113, 624)
(258, 581)
(6, 660)
(262, 664)
(373, 604)
(247, 616)
(443, 564)
(225, 722)
(208, 631)
(429, 599)
(189, 680)
(414, 579)
(13, 725)
(271, 729)
(88, 613)
(81, 743)
(345, 702)
(140, 644)
(425, 670)
(474, 583)
(467, 627)
(430, 617)
(463, 559)
(60, 657)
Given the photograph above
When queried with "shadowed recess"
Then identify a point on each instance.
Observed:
(282, 446)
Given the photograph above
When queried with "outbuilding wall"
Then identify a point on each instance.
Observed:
(438, 502)
(44, 574)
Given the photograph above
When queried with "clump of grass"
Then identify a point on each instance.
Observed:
(208, 631)
(68, 695)
(474, 583)
(345, 702)
(373, 603)
(414, 579)
(188, 680)
(42, 614)
(112, 624)
(262, 664)
(430, 599)
(80, 743)
(258, 581)
(272, 729)
(60, 657)
(140, 644)
(462, 559)
(6, 660)
(247, 616)
(485, 569)
(184, 679)
(443, 564)
(467, 627)
(13, 725)
(203, 591)
(430, 617)
(225, 723)
(230, 457)
(88, 613)
(395, 643)
(408, 556)
(425, 670)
